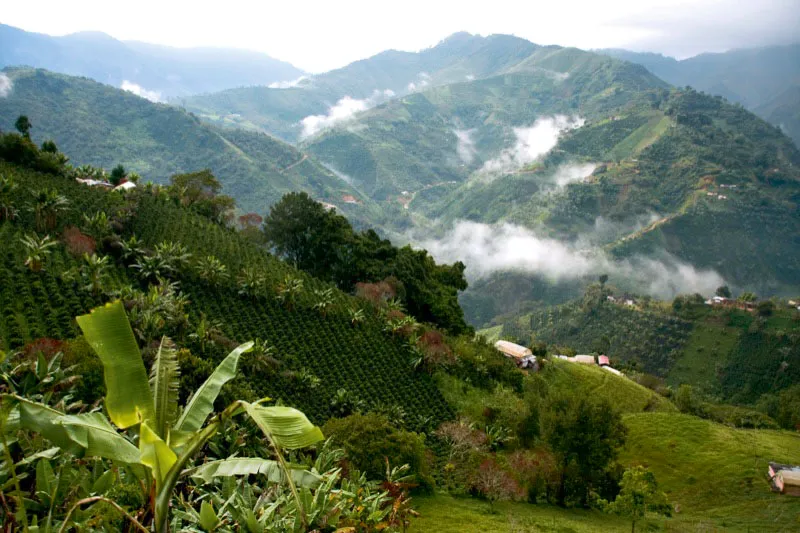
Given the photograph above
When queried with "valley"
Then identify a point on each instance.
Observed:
(268, 300)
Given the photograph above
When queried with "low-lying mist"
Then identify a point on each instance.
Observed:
(5, 85)
(487, 249)
(343, 111)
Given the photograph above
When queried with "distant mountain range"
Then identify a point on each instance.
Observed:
(100, 125)
(158, 72)
(541, 166)
(765, 80)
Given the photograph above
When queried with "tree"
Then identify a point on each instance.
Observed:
(37, 249)
(200, 191)
(747, 297)
(23, 125)
(723, 291)
(49, 147)
(48, 205)
(117, 175)
(167, 443)
(639, 495)
(307, 235)
(603, 279)
(494, 482)
(585, 435)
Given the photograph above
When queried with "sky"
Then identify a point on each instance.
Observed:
(321, 35)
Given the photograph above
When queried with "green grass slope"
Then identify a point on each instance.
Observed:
(364, 360)
(716, 475)
(99, 125)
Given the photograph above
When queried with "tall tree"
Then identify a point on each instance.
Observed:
(585, 435)
(24, 126)
(639, 495)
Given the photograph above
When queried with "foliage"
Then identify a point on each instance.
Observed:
(325, 245)
(37, 250)
(585, 436)
(494, 483)
(369, 440)
(639, 495)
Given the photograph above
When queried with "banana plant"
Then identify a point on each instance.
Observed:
(159, 443)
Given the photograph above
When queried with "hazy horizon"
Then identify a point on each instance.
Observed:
(350, 30)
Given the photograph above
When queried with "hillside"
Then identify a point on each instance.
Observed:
(280, 111)
(102, 126)
(313, 354)
(158, 71)
(754, 77)
(729, 354)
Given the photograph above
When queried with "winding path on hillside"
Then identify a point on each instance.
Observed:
(290, 167)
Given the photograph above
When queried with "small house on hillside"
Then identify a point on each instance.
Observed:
(603, 360)
(125, 186)
(515, 351)
(521, 355)
(584, 359)
(785, 478)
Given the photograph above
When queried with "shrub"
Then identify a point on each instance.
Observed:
(369, 439)
(78, 243)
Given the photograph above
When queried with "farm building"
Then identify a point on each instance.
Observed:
(523, 356)
(785, 478)
(583, 359)
(126, 186)
(603, 360)
(515, 351)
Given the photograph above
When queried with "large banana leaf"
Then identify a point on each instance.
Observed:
(164, 385)
(244, 466)
(128, 397)
(44, 420)
(98, 437)
(286, 426)
(201, 403)
(155, 454)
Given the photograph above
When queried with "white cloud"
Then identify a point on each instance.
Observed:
(287, 84)
(138, 90)
(343, 111)
(423, 80)
(466, 145)
(488, 249)
(470, 77)
(531, 143)
(572, 172)
(6, 85)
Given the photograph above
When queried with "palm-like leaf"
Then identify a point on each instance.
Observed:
(244, 466)
(128, 397)
(286, 426)
(155, 454)
(94, 433)
(164, 384)
(201, 403)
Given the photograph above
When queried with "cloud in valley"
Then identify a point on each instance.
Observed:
(138, 90)
(6, 85)
(287, 84)
(572, 172)
(422, 81)
(343, 111)
(531, 143)
(487, 249)
(465, 148)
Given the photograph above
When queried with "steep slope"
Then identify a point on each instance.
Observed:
(102, 126)
(764, 80)
(784, 112)
(446, 133)
(280, 111)
(162, 70)
(314, 354)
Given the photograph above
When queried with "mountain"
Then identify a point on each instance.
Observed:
(588, 152)
(103, 126)
(753, 77)
(784, 112)
(280, 111)
(158, 71)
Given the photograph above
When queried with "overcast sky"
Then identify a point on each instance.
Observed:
(321, 35)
